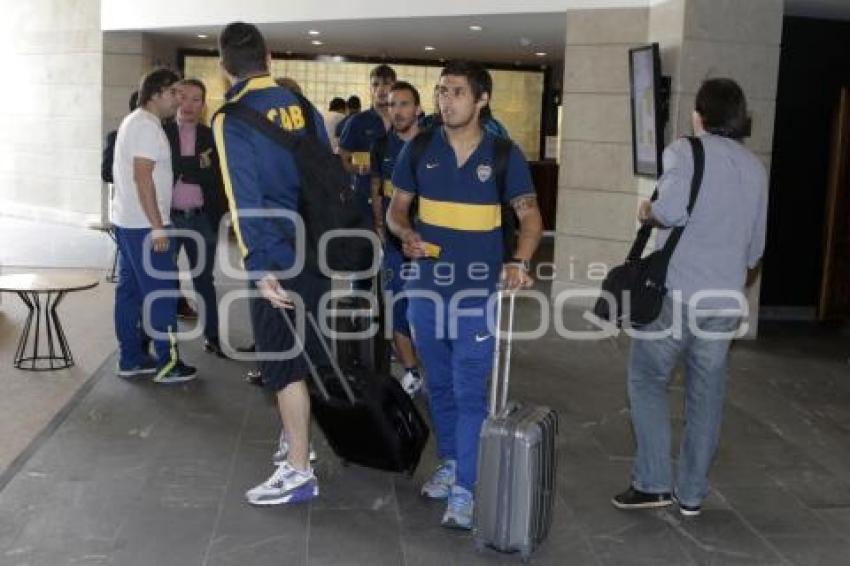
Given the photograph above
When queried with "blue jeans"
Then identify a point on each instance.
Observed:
(203, 282)
(650, 368)
(134, 284)
(458, 371)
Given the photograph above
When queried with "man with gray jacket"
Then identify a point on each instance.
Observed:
(723, 238)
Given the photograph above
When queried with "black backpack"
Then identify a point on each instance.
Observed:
(327, 200)
(501, 155)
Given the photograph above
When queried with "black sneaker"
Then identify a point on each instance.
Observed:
(146, 367)
(254, 377)
(634, 499)
(213, 346)
(688, 510)
(176, 372)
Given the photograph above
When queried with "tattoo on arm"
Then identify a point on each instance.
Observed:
(523, 204)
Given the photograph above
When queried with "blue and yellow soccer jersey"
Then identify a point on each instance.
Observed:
(382, 166)
(357, 137)
(459, 211)
(260, 174)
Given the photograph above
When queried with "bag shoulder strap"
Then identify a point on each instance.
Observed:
(696, 182)
(247, 114)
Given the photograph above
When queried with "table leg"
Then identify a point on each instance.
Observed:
(51, 326)
(22, 342)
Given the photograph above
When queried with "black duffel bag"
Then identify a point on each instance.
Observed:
(633, 292)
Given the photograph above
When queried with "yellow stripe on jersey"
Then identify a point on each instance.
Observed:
(257, 83)
(460, 216)
(388, 189)
(359, 158)
(218, 133)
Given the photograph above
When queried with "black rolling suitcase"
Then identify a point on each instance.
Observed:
(355, 315)
(366, 417)
(515, 490)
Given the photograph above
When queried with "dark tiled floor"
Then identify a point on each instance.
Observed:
(145, 475)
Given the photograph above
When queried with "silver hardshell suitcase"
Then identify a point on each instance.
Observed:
(515, 491)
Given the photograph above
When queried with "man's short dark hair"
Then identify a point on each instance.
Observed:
(403, 85)
(155, 82)
(479, 78)
(134, 100)
(243, 50)
(196, 83)
(353, 102)
(723, 107)
(337, 104)
(383, 72)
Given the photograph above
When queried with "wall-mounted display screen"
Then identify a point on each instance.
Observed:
(647, 125)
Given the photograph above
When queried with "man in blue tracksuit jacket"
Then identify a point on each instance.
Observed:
(362, 130)
(259, 177)
(404, 106)
(459, 251)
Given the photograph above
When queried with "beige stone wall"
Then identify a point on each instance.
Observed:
(597, 193)
(699, 39)
(50, 108)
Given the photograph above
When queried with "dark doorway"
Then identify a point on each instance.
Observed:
(814, 67)
(835, 283)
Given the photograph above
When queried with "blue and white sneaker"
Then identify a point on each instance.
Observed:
(458, 513)
(286, 485)
(146, 367)
(279, 457)
(440, 484)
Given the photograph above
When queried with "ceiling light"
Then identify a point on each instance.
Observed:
(476, 28)
(202, 36)
(317, 42)
(429, 48)
(314, 32)
(540, 54)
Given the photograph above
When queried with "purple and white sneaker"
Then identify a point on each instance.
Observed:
(286, 485)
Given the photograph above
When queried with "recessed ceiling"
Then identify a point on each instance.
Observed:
(505, 38)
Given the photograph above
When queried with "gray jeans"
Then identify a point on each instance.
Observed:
(651, 365)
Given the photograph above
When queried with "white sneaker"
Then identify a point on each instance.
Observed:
(279, 457)
(439, 486)
(286, 485)
(411, 382)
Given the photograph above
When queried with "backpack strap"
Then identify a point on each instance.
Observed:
(307, 112)
(247, 114)
(501, 157)
(379, 148)
(418, 145)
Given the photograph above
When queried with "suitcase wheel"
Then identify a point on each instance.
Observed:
(345, 463)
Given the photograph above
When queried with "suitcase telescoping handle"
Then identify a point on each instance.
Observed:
(499, 383)
(314, 373)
